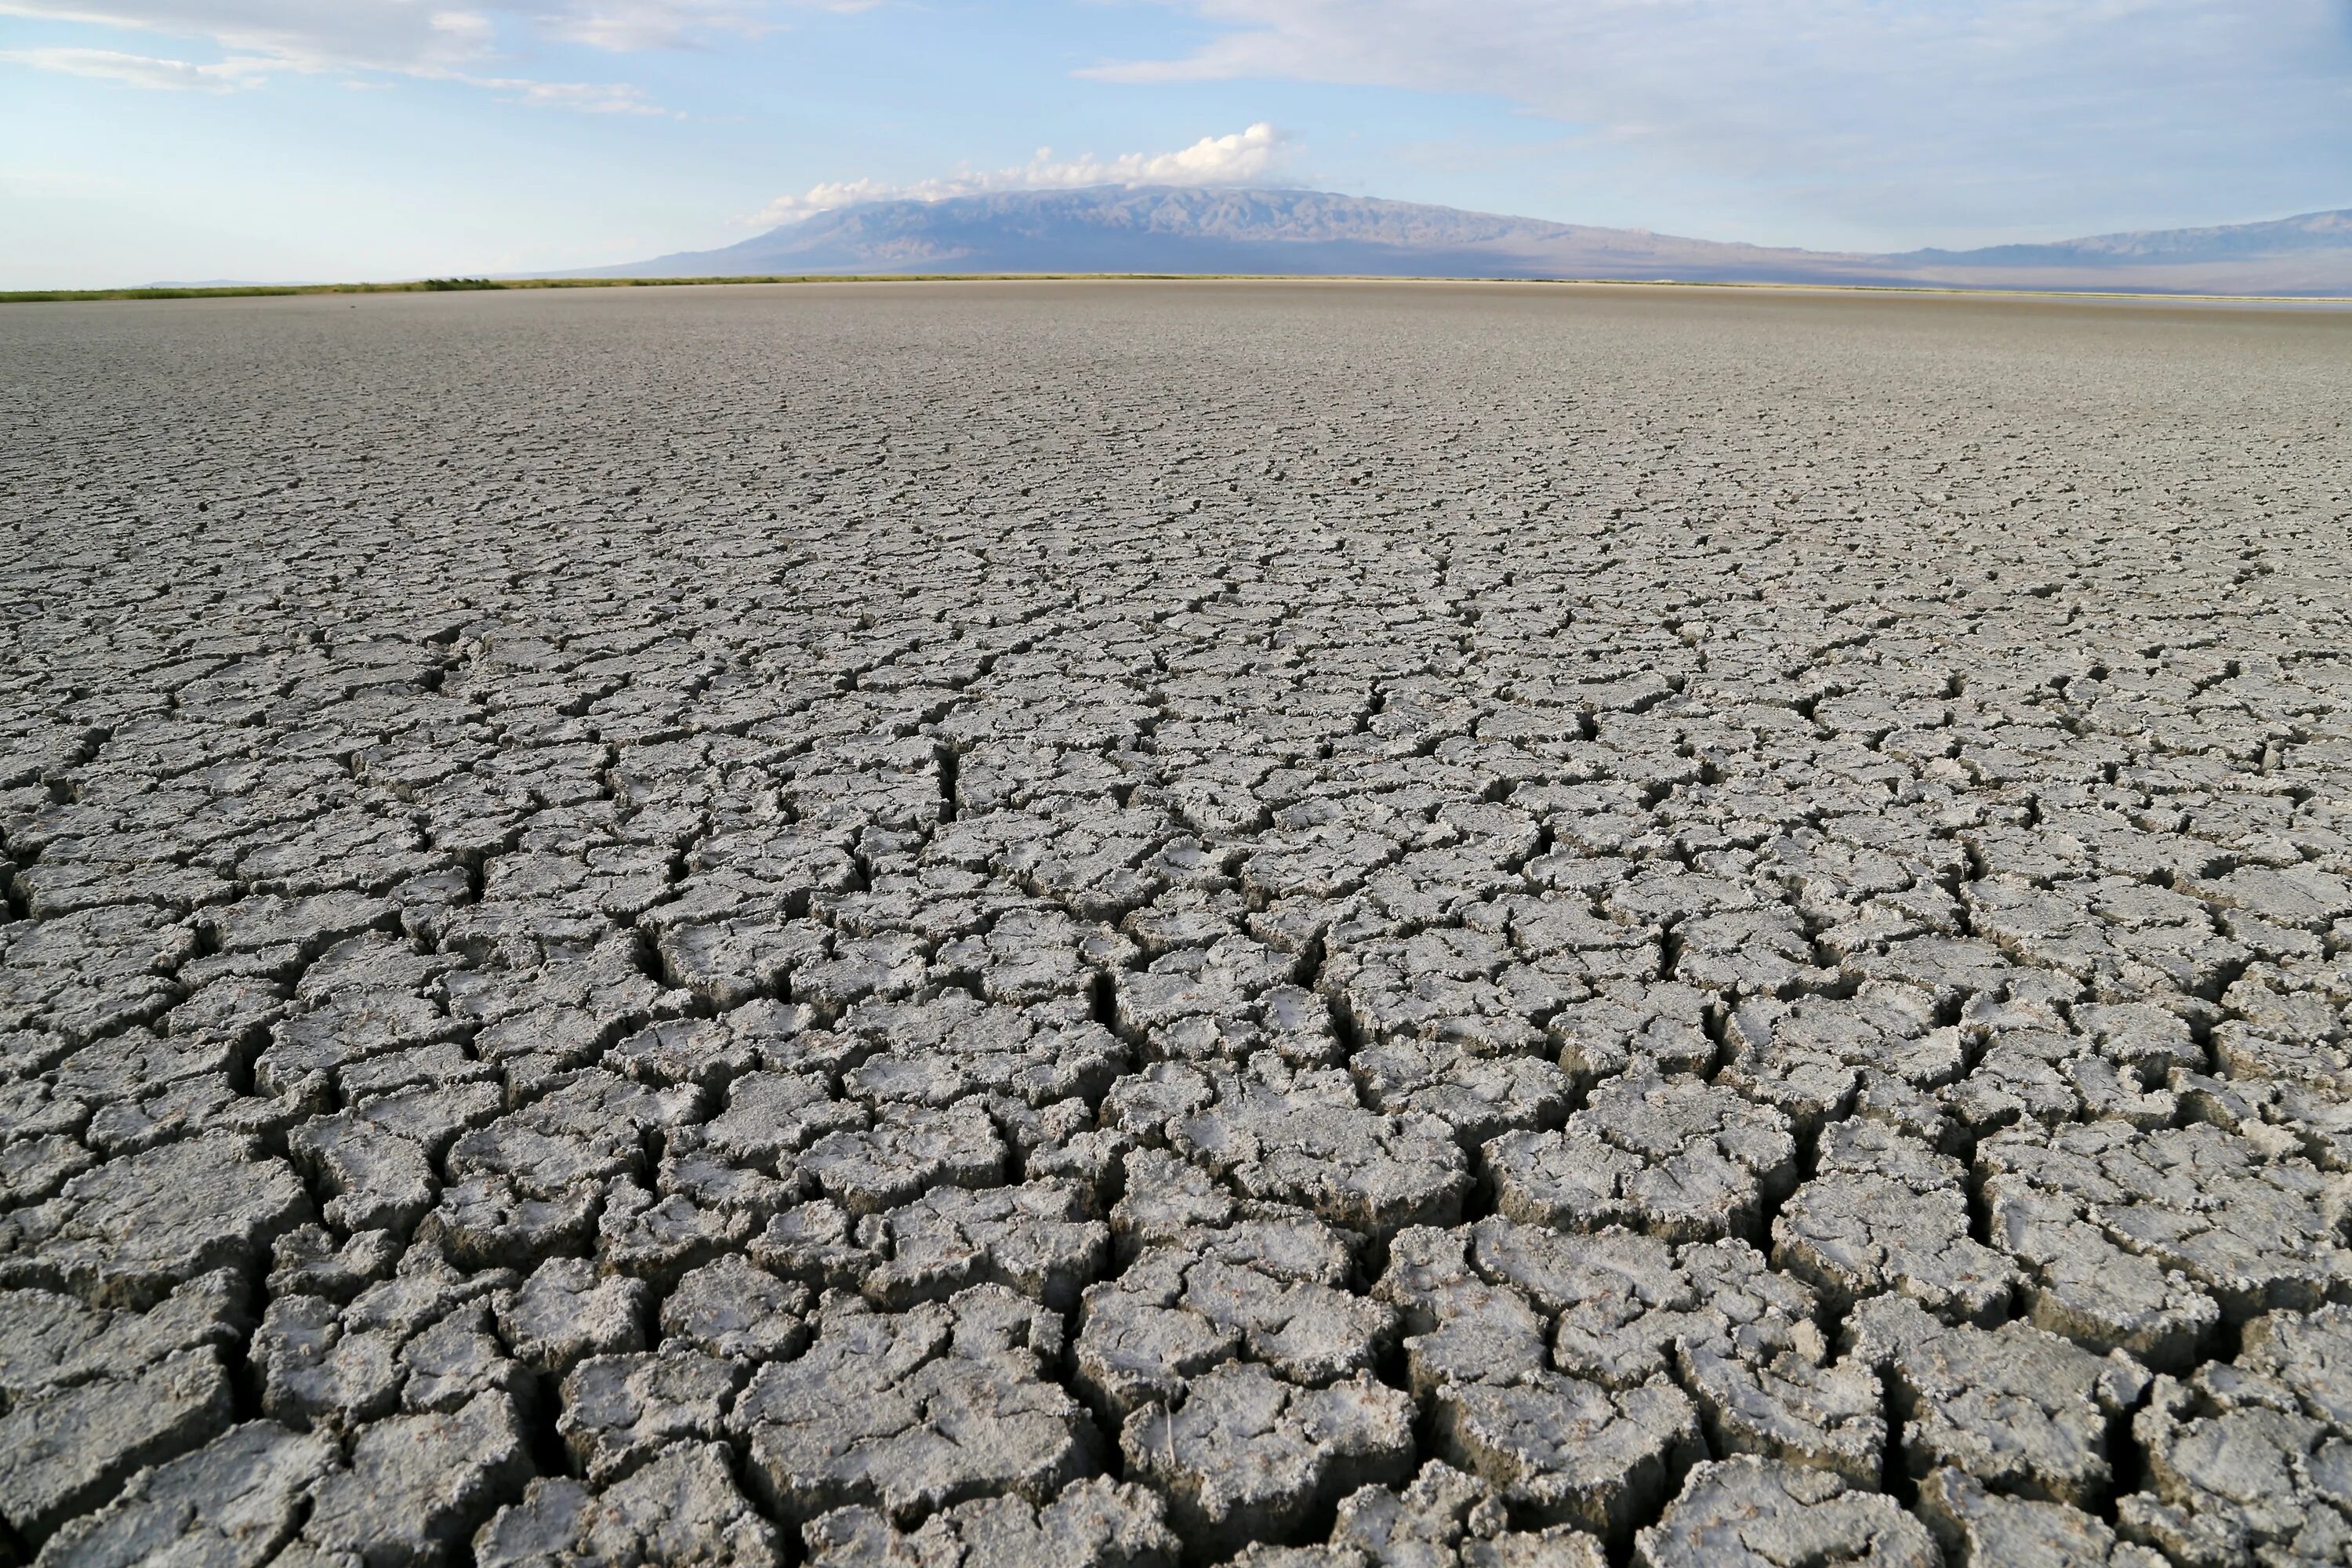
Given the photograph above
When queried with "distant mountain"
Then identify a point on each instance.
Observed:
(1180, 229)
(2310, 254)
(2285, 237)
(1158, 228)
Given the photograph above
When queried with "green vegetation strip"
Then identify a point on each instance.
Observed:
(448, 285)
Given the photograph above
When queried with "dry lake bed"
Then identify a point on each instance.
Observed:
(1086, 924)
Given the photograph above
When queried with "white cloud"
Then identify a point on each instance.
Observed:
(409, 36)
(412, 35)
(1240, 158)
(630, 25)
(442, 39)
(1886, 107)
(585, 98)
(144, 71)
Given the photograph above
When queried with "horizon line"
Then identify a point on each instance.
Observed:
(499, 285)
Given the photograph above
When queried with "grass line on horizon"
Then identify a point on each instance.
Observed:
(442, 285)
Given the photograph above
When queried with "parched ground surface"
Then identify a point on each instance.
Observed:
(1130, 924)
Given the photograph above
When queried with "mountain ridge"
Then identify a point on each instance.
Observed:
(1243, 230)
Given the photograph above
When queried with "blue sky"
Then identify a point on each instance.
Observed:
(147, 140)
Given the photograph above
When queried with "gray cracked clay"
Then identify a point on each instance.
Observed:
(1154, 925)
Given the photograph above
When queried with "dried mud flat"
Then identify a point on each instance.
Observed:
(1131, 924)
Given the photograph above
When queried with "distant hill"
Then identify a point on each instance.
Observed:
(2310, 254)
(1194, 230)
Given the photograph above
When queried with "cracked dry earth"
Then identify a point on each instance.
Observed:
(1086, 925)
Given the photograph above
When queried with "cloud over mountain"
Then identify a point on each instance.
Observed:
(1242, 157)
